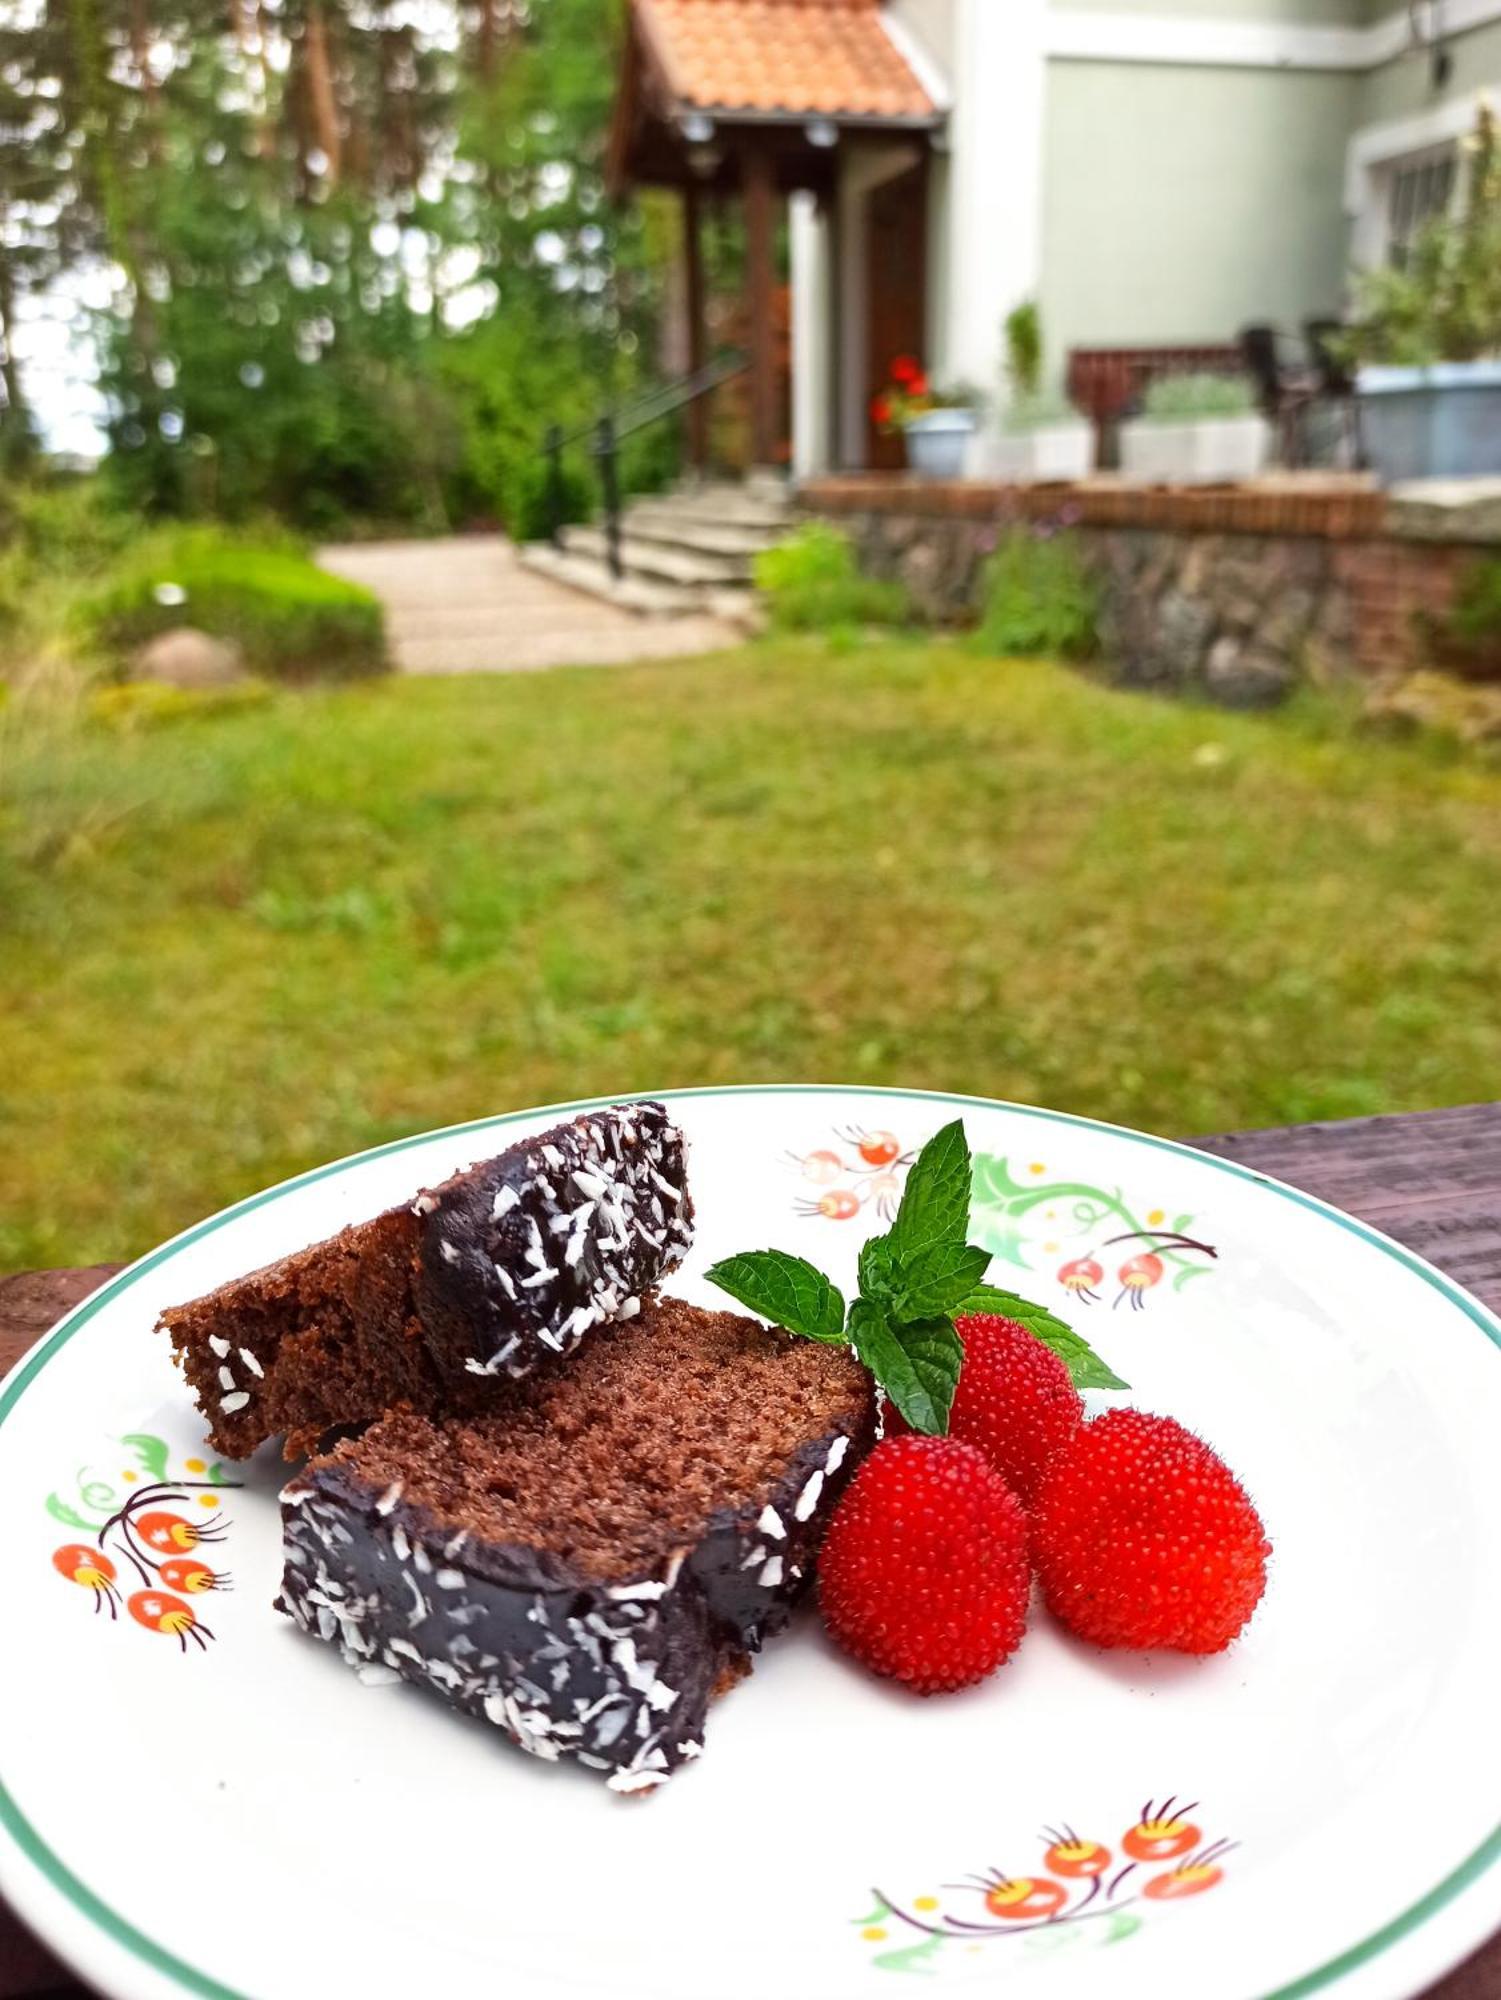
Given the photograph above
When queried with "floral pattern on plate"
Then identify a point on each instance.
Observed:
(148, 1535)
(1162, 1857)
(1090, 1239)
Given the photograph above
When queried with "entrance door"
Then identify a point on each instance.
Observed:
(896, 215)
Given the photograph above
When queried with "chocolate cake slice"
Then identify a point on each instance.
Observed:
(500, 1269)
(589, 1562)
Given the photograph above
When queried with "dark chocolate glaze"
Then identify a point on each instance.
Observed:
(522, 1255)
(617, 1673)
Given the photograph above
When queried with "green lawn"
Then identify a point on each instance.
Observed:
(238, 945)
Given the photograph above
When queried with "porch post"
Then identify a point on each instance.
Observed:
(760, 278)
(693, 290)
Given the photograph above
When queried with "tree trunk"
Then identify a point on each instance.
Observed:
(15, 426)
(320, 88)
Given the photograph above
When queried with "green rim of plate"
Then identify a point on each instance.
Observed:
(191, 1980)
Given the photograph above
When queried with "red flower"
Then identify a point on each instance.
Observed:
(906, 370)
(880, 409)
(918, 386)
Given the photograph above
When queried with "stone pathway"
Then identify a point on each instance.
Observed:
(464, 604)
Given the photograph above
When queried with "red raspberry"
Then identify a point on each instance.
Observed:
(924, 1574)
(1143, 1537)
(1016, 1400)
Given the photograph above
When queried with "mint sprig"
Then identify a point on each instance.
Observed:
(914, 1281)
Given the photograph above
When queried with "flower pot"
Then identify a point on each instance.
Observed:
(1050, 452)
(938, 443)
(1442, 422)
(1208, 450)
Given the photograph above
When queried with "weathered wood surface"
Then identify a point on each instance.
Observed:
(1431, 1179)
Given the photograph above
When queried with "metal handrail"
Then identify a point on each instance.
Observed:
(608, 429)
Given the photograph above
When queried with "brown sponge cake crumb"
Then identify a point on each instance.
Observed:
(503, 1269)
(590, 1561)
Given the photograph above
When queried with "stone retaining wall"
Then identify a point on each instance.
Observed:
(1236, 594)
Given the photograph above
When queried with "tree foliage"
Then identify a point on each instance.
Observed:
(360, 253)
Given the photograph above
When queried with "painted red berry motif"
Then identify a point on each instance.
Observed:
(1163, 1833)
(1082, 1276)
(185, 1573)
(1015, 1400)
(92, 1569)
(1080, 1879)
(878, 1149)
(159, 1611)
(924, 1575)
(1191, 1877)
(164, 1533)
(144, 1531)
(1075, 1859)
(1024, 1900)
(1138, 1275)
(1143, 1537)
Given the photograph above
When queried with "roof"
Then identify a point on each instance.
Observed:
(788, 58)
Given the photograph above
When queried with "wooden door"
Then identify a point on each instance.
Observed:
(896, 246)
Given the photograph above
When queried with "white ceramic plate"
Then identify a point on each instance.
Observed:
(197, 1799)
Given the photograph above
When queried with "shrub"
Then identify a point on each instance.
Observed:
(1023, 336)
(812, 583)
(1185, 399)
(290, 618)
(1037, 412)
(1467, 638)
(1039, 599)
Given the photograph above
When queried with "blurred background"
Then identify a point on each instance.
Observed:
(555, 546)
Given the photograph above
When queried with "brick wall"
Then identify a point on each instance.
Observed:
(1237, 593)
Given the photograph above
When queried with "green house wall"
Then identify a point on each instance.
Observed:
(1180, 204)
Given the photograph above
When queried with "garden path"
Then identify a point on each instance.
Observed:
(463, 604)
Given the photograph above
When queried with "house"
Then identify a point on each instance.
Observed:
(1158, 174)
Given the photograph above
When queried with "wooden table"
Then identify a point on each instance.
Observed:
(1432, 1179)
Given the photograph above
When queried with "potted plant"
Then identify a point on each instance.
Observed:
(1428, 337)
(936, 423)
(1196, 429)
(1042, 436)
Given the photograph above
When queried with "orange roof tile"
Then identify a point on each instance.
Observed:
(814, 58)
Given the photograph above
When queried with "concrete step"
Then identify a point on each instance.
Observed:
(686, 531)
(660, 560)
(591, 575)
(714, 507)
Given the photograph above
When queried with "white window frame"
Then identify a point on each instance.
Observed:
(1375, 155)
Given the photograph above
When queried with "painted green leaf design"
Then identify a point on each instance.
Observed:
(1086, 1369)
(783, 1288)
(215, 1473)
(150, 1451)
(916, 1364)
(69, 1516)
(910, 1957)
(935, 1201)
(1123, 1924)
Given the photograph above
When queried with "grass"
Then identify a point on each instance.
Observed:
(252, 941)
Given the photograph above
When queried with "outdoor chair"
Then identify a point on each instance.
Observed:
(1286, 387)
(1336, 389)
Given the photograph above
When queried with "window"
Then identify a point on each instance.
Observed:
(1418, 189)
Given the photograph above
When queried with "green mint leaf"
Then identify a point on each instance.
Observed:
(933, 1281)
(935, 1201)
(917, 1365)
(787, 1289)
(878, 1268)
(1084, 1365)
